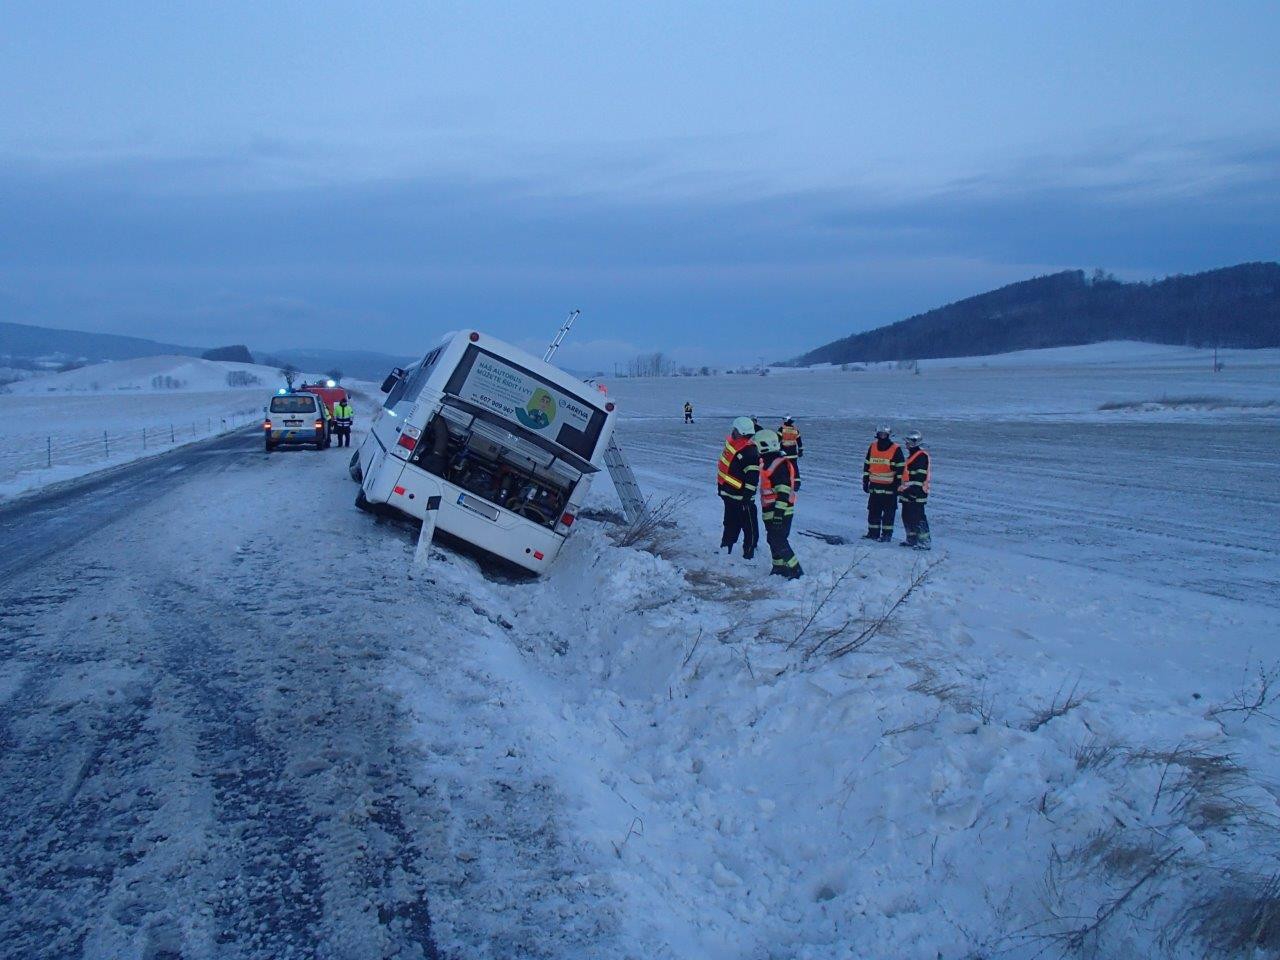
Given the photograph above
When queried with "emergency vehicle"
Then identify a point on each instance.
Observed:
(329, 392)
(501, 445)
(295, 418)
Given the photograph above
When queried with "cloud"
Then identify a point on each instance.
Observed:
(711, 273)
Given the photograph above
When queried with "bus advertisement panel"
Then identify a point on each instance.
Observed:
(525, 398)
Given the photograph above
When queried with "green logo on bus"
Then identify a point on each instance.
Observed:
(540, 411)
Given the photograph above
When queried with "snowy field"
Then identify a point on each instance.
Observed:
(1048, 748)
(61, 426)
(1043, 751)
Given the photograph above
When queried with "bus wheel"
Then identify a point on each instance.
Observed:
(362, 502)
(353, 468)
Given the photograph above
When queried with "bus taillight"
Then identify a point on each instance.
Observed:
(408, 438)
(567, 519)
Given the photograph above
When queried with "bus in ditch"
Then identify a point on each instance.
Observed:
(501, 445)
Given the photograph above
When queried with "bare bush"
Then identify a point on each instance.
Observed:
(1256, 697)
(1095, 753)
(1059, 706)
(868, 633)
(1240, 917)
(656, 516)
(1201, 787)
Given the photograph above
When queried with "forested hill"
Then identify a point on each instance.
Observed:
(1233, 307)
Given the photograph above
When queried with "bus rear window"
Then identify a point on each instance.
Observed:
(293, 404)
(524, 398)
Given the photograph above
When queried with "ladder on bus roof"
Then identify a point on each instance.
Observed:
(624, 480)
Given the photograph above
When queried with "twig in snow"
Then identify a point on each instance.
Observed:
(1057, 707)
(689, 656)
(878, 624)
(636, 829)
(821, 604)
(1256, 698)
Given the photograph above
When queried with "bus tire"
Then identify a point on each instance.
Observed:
(353, 468)
(362, 502)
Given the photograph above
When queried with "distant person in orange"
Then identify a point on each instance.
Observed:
(881, 476)
(914, 493)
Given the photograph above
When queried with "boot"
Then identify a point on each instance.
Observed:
(907, 543)
(871, 535)
(748, 554)
(886, 538)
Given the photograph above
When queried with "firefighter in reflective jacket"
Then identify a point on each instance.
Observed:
(881, 475)
(343, 416)
(914, 493)
(688, 412)
(736, 477)
(778, 503)
(792, 445)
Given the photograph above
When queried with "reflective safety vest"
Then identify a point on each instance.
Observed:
(731, 448)
(343, 411)
(880, 464)
(771, 487)
(915, 479)
(790, 438)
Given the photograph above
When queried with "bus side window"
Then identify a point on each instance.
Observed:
(396, 393)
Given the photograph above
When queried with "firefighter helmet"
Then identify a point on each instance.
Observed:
(767, 441)
(744, 427)
(884, 432)
(788, 420)
(913, 439)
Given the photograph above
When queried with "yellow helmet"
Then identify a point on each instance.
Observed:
(767, 441)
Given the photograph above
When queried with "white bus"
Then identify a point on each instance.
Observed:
(502, 445)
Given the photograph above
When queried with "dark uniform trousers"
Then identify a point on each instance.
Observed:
(778, 533)
(343, 432)
(882, 507)
(917, 524)
(740, 517)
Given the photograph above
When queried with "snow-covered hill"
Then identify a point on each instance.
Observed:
(163, 374)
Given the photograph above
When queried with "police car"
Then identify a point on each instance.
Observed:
(296, 418)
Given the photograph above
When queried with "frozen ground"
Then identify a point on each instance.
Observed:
(653, 751)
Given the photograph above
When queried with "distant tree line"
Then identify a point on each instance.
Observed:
(1233, 307)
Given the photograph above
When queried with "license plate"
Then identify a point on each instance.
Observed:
(293, 423)
(477, 506)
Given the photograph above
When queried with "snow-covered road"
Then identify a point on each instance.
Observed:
(207, 661)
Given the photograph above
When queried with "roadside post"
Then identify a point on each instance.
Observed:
(423, 552)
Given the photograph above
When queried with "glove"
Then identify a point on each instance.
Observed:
(866, 485)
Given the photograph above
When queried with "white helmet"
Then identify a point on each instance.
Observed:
(767, 441)
(744, 427)
(883, 432)
(913, 438)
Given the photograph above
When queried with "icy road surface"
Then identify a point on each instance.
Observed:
(200, 755)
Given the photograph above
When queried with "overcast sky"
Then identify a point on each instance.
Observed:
(719, 181)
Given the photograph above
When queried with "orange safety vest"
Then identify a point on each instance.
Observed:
(767, 497)
(880, 470)
(731, 449)
(788, 436)
(928, 473)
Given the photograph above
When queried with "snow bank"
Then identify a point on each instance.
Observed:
(1032, 742)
